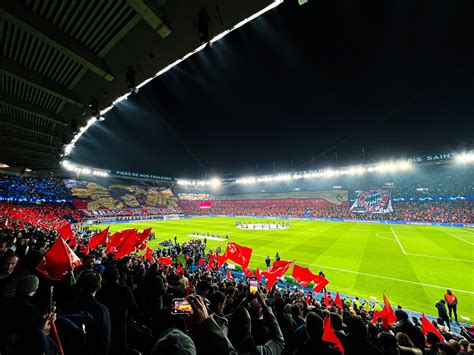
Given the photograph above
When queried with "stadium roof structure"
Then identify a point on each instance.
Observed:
(64, 63)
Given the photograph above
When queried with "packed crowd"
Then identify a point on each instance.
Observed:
(109, 306)
(419, 211)
(46, 215)
(29, 188)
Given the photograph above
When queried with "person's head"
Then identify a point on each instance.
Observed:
(449, 291)
(401, 315)
(404, 340)
(217, 300)
(174, 342)
(455, 345)
(89, 283)
(110, 275)
(27, 286)
(443, 301)
(3, 247)
(295, 311)
(389, 343)
(8, 262)
(314, 326)
(239, 325)
(89, 262)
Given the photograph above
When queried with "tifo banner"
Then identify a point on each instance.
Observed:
(126, 212)
(373, 201)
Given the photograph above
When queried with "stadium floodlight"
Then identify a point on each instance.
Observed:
(404, 165)
(215, 182)
(465, 157)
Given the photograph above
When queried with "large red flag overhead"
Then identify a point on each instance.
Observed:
(99, 239)
(65, 232)
(275, 271)
(428, 327)
(57, 261)
(117, 239)
(127, 246)
(238, 254)
(141, 237)
(302, 275)
(319, 283)
(329, 335)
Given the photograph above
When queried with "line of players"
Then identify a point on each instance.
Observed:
(266, 225)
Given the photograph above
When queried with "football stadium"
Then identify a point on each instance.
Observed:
(151, 246)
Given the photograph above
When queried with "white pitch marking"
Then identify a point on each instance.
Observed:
(384, 277)
(441, 257)
(379, 233)
(399, 244)
(461, 239)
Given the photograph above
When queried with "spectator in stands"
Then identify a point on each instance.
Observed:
(10, 274)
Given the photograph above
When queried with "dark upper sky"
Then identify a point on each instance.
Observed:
(302, 82)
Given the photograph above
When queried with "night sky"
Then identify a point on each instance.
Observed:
(303, 84)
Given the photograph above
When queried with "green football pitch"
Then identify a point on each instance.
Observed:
(413, 264)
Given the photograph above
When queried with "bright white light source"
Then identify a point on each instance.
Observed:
(465, 157)
(215, 182)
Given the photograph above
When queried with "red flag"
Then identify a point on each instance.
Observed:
(165, 261)
(238, 254)
(149, 255)
(210, 263)
(201, 262)
(117, 239)
(73, 242)
(86, 251)
(179, 269)
(220, 259)
(141, 237)
(229, 275)
(247, 272)
(308, 300)
(428, 327)
(387, 315)
(302, 275)
(337, 300)
(65, 232)
(319, 283)
(57, 261)
(257, 274)
(326, 299)
(99, 239)
(275, 271)
(127, 246)
(329, 335)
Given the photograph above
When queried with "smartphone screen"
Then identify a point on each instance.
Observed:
(253, 285)
(181, 306)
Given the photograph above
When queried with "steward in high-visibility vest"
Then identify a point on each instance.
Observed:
(452, 302)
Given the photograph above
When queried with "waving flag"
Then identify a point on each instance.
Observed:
(201, 262)
(319, 283)
(387, 315)
(302, 275)
(238, 254)
(99, 239)
(57, 261)
(117, 239)
(210, 263)
(229, 275)
(220, 259)
(127, 246)
(165, 261)
(65, 232)
(428, 327)
(149, 255)
(141, 237)
(337, 300)
(257, 274)
(275, 271)
(329, 335)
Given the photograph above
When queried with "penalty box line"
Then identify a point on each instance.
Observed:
(384, 277)
(398, 241)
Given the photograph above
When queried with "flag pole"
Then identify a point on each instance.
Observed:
(55, 331)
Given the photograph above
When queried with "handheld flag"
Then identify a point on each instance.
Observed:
(329, 335)
(127, 246)
(275, 271)
(428, 327)
(165, 261)
(220, 260)
(337, 300)
(141, 237)
(99, 239)
(149, 255)
(57, 261)
(319, 283)
(238, 254)
(257, 275)
(302, 275)
(65, 232)
(201, 262)
(229, 275)
(387, 315)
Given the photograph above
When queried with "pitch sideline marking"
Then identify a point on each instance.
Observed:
(399, 244)
(461, 239)
(384, 277)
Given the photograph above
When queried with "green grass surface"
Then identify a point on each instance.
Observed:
(358, 258)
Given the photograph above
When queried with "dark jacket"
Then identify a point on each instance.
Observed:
(119, 301)
(8, 284)
(317, 348)
(99, 337)
(442, 312)
(414, 333)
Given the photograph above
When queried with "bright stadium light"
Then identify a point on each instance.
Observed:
(215, 182)
(465, 157)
